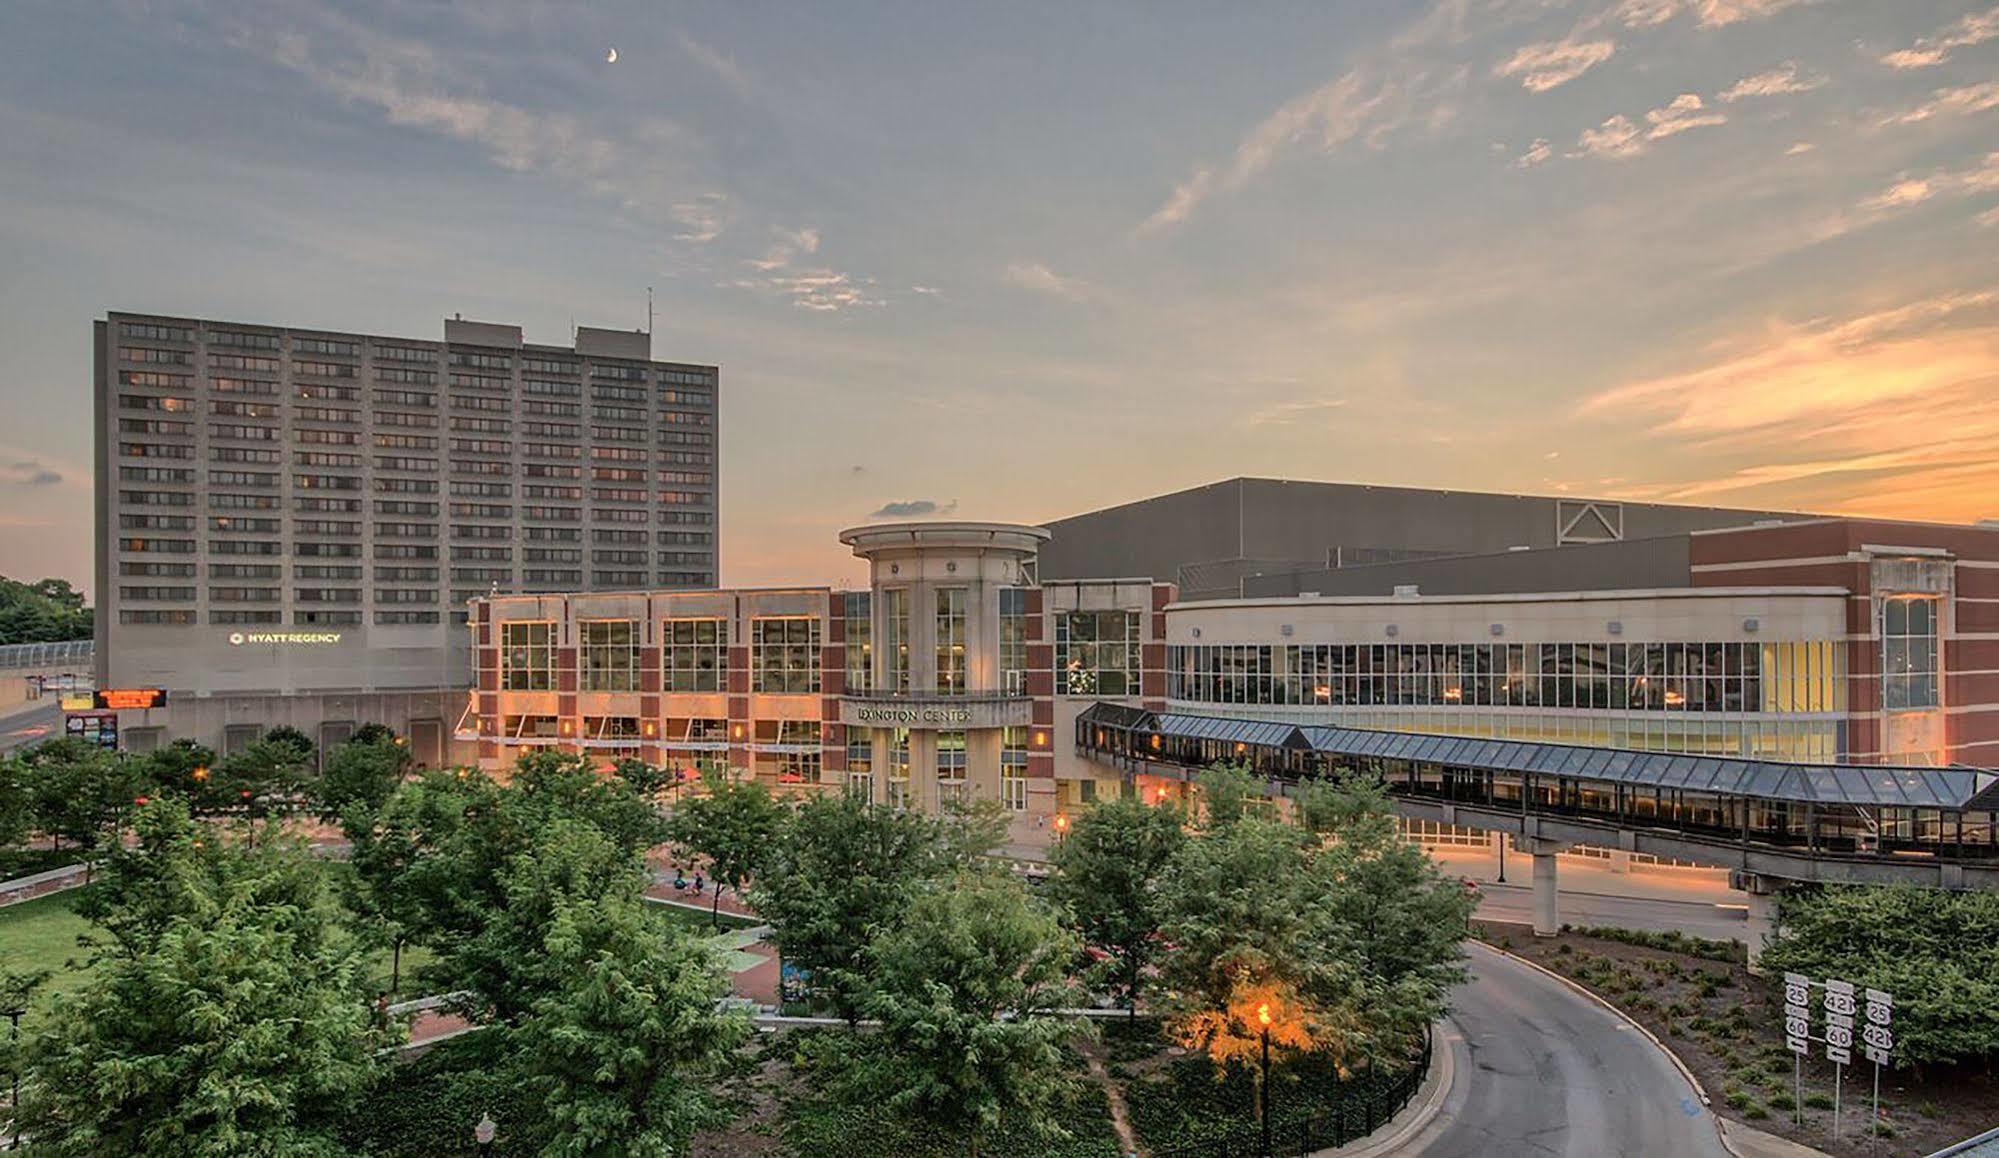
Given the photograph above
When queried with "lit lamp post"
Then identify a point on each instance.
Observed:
(483, 1133)
(1263, 1087)
(1061, 826)
(1502, 858)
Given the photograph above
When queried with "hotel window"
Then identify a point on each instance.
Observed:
(951, 784)
(697, 654)
(1013, 769)
(1096, 653)
(857, 607)
(610, 655)
(895, 640)
(785, 656)
(527, 653)
(1909, 653)
(950, 651)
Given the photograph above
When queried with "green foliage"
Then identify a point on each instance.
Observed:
(1673, 941)
(79, 792)
(223, 1017)
(427, 1107)
(183, 768)
(967, 988)
(268, 777)
(621, 1049)
(1228, 792)
(17, 802)
(1107, 874)
(838, 869)
(1936, 951)
(1349, 935)
(548, 786)
(46, 611)
(732, 827)
(647, 780)
(361, 774)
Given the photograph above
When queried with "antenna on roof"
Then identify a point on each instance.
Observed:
(648, 311)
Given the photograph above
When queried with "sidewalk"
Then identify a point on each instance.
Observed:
(1588, 876)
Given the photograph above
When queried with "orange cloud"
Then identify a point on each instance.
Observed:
(1894, 412)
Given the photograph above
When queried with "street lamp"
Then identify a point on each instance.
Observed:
(1502, 858)
(1263, 1087)
(483, 1134)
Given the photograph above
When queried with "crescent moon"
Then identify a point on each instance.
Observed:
(611, 57)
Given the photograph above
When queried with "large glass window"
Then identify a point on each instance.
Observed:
(1013, 769)
(527, 651)
(861, 763)
(859, 610)
(895, 640)
(609, 655)
(951, 641)
(785, 656)
(696, 654)
(898, 768)
(1096, 654)
(951, 768)
(1909, 653)
(1013, 640)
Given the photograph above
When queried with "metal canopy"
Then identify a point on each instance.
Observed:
(1263, 733)
(1900, 787)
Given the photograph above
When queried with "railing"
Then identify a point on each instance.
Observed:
(931, 697)
(77, 652)
(1299, 1136)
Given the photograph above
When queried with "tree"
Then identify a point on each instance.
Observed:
(227, 1019)
(1227, 791)
(1935, 952)
(184, 769)
(548, 786)
(644, 779)
(17, 801)
(81, 792)
(622, 1045)
(732, 827)
(47, 611)
(1107, 874)
(267, 777)
(968, 989)
(361, 774)
(838, 869)
(299, 744)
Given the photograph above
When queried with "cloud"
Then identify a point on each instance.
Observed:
(1799, 148)
(1554, 63)
(1706, 13)
(1386, 90)
(926, 290)
(1988, 219)
(29, 473)
(1536, 153)
(1620, 138)
(1776, 82)
(1927, 51)
(703, 218)
(1683, 112)
(814, 287)
(1900, 404)
(723, 67)
(912, 508)
(1036, 276)
(1308, 410)
(1614, 140)
(1961, 101)
(1966, 182)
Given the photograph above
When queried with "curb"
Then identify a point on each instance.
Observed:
(1428, 1104)
(1699, 1090)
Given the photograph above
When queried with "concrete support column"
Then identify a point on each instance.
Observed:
(1547, 921)
(1761, 926)
(1620, 861)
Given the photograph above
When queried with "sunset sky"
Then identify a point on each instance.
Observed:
(1018, 261)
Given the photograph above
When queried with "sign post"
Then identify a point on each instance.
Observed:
(1839, 1008)
(1798, 1036)
(1878, 1039)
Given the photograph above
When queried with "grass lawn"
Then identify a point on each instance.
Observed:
(699, 922)
(41, 934)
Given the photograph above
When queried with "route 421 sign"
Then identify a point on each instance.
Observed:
(1877, 1037)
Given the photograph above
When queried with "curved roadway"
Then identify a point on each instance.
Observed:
(1543, 1070)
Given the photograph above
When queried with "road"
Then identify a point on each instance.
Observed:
(1700, 918)
(42, 722)
(1545, 1071)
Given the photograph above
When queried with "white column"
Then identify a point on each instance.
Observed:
(1547, 921)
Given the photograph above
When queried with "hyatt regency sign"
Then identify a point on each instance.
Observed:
(916, 715)
(285, 638)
